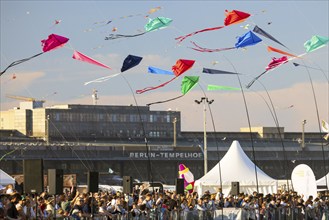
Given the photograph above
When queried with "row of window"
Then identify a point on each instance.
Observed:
(109, 117)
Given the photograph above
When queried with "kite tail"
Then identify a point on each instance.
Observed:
(116, 36)
(181, 38)
(202, 49)
(254, 80)
(19, 62)
(168, 100)
(140, 91)
(102, 79)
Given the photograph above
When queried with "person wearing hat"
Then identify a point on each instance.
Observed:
(49, 211)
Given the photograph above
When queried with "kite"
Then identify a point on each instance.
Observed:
(130, 62)
(216, 87)
(232, 17)
(316, 42)
(53, 42)
(248, 39)
(272, 49)
(260, 31)
(159, 71)
(245, 26)
(188, 83)
(297, 64)
(79, 56)
(188, 177)
(56, 22)
(152, 25)
(151, 11)
(235, 17)
(213, 71)
(325, 128)
(179, 68)
(273, 64)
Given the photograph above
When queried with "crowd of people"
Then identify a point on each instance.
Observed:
(144, 203)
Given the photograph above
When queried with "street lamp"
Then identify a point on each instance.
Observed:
(204, 100)
(175, 135)
(303, 134)
(47, 129)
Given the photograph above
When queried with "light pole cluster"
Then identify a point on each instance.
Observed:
(205, 100)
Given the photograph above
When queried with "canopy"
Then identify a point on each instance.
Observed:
(236, 166)
(5, 178)
(322, 182)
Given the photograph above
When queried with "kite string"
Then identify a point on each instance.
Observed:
(248, 119)
(319, 123)
(275, 118)
(150, 173)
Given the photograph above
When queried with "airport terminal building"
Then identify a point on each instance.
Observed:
(138, 142)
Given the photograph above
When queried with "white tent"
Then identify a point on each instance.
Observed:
(235, 166)
(5, 178)
(322, 182)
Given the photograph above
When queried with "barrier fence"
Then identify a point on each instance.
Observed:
(281, 213)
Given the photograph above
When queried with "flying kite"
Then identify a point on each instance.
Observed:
(179, 68)
(232, 17)
(155, 70)
(213, 71)
(248, 39)
(79, 56)
(272, 49)
(130, 62)
(188, 177)
(273, 64)
(260, 31)
(53, 42)
(152, 25)
(316, 42)
(297, 64)
(188, 83)
(216, 87)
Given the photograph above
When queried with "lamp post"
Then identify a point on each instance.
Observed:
(303, 134)
(47, 129)
(205, 100)
(175, 135)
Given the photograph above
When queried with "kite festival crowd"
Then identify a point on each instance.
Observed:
(143, 203)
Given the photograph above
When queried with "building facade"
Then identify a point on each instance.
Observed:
(82, 138)
(82, 122)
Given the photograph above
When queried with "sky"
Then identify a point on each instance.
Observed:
(58, 79)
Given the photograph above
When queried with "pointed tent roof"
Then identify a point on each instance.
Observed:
(322, 181)
(236, 167)
(5, 178)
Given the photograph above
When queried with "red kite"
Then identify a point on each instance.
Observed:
(179, 68)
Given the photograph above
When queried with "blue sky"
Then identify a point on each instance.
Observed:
(58, 78)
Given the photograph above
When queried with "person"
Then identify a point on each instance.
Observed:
(12, 212)
(10, 189)
(28, 209)
(20, 208)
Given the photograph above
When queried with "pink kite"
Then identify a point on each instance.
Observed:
(179, 68)
(79, 56)
(54, 41)
(273, 64)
